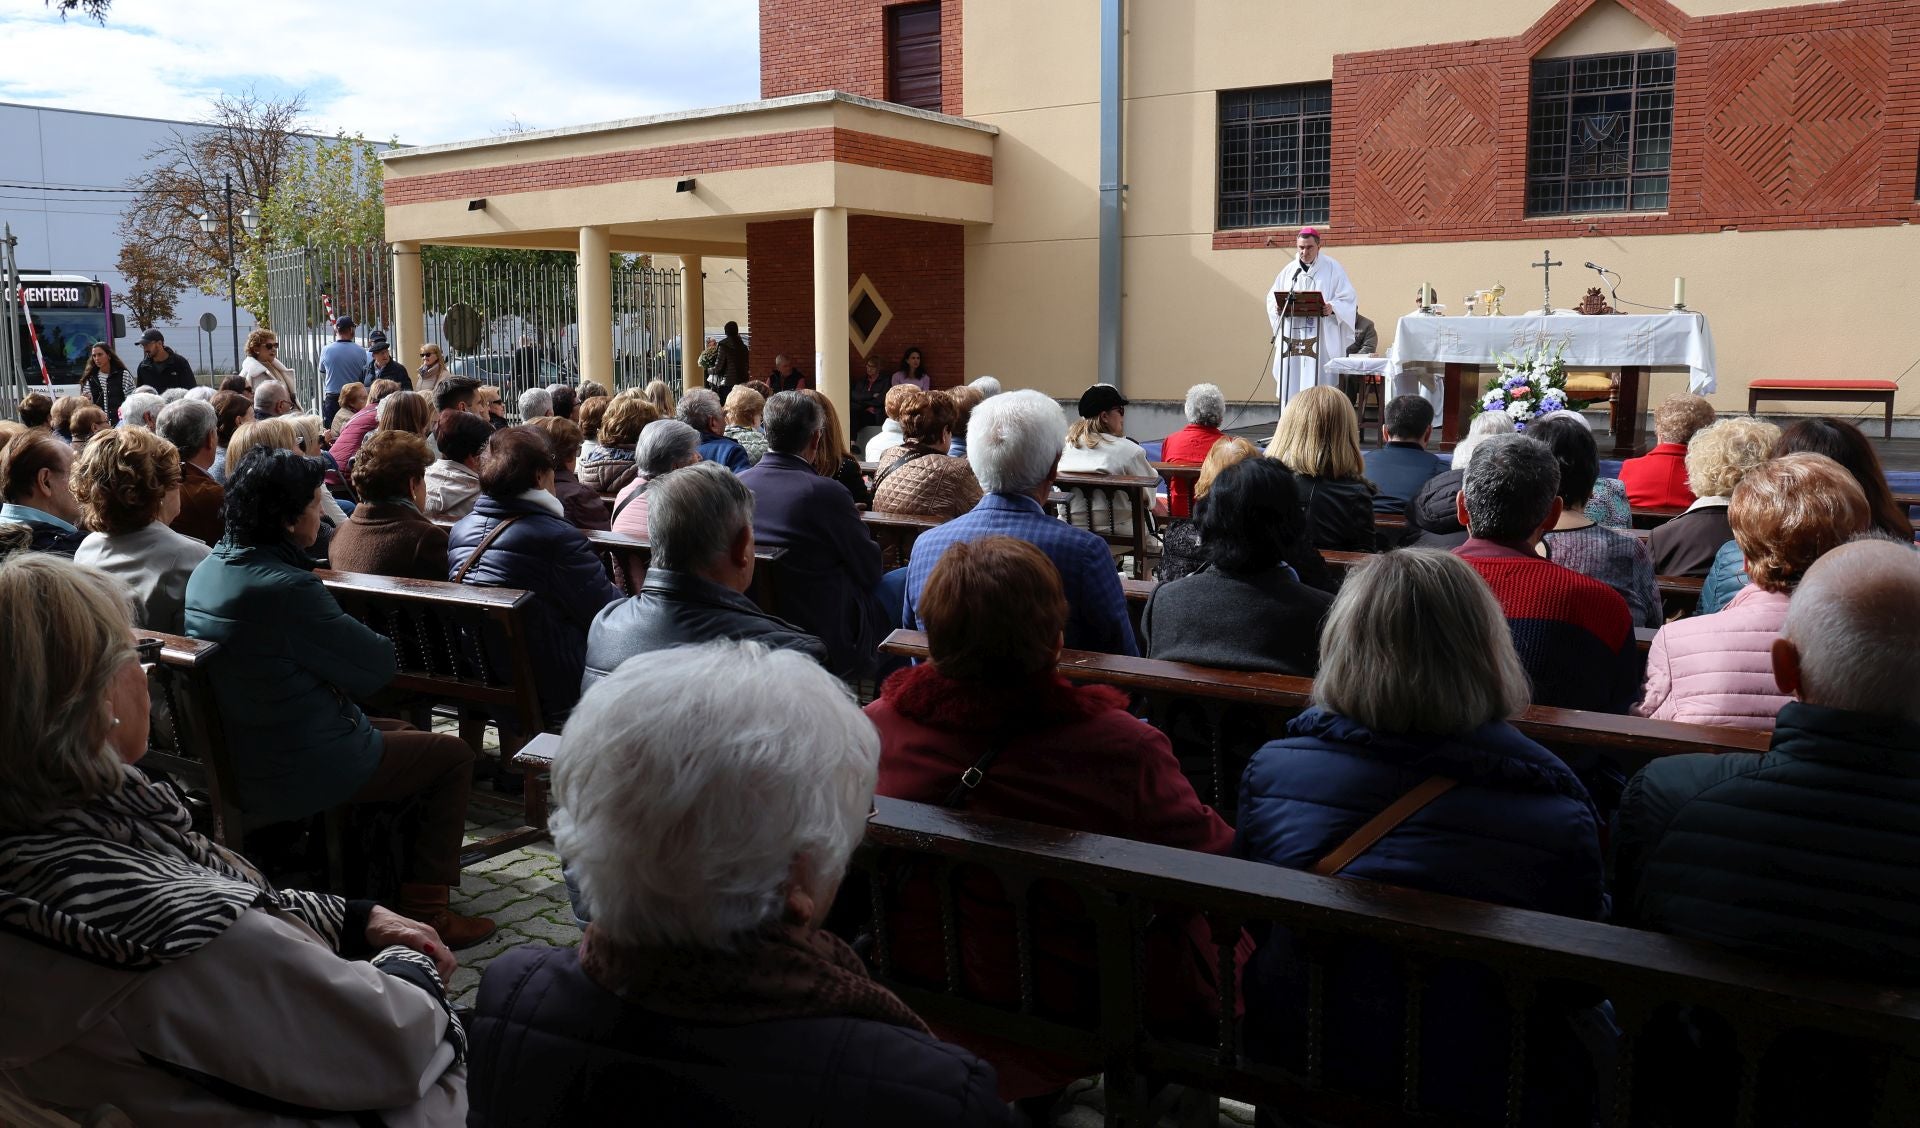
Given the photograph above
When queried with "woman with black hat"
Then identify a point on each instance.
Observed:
(1097, 444)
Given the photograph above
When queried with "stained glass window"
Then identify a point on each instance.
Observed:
(1601, 133)
(1276, 155)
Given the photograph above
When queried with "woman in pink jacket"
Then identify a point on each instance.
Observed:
(1718, 669)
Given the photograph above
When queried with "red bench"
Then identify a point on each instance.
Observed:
(1847, 391)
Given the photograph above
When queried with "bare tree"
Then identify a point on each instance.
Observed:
(95, 10)
(247, 138)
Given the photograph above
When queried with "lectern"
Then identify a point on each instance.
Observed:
(1300, 314)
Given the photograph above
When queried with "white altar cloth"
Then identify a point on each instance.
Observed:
(1660, 340)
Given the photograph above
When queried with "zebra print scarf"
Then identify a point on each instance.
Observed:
(124, 881)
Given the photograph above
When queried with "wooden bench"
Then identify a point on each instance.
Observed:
(185, 739)
(1134, 492)
(1125, 885)
(1825, 391)
(627, 559)
(896, 533)
(1233, 708)
(454, 644)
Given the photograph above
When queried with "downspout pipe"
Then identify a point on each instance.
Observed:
(1112, 131)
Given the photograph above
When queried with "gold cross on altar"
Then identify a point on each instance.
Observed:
(1546, 265)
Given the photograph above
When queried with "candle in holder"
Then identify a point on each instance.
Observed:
(1679, 293)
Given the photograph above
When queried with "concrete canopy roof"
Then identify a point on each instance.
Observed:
(776, 159)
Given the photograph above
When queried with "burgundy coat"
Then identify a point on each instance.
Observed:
(1074, 758)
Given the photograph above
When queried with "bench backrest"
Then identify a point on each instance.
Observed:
(1125, 885)
(628, 557)
(185, 738)
(1228, 713)
(455, 643)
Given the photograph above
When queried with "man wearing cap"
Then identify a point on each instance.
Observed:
(383, 366)
(341, 363)
(163, 368)
(1310, 271)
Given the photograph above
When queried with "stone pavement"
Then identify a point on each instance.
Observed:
(523, 892)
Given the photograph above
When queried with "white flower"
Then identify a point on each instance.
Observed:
(1520, 410)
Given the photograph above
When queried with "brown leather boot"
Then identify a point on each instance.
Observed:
(428, 904)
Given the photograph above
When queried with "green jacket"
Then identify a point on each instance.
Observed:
(291, 664)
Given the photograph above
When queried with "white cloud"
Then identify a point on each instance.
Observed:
(420, 70)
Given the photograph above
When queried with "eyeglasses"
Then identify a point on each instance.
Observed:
(271, 345)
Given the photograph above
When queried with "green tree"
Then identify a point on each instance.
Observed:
(328, 193)
(154, 282)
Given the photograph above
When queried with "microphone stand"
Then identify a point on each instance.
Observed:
(1289, 365)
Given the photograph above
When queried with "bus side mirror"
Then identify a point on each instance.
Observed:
(119, 325)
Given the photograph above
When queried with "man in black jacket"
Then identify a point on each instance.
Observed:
(163, 368)
(700, 521)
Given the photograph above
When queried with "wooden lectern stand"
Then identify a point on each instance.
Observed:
(1309, 306)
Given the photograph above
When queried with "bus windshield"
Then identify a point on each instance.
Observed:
(66, 336)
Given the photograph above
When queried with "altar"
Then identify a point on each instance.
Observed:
(1630, 344)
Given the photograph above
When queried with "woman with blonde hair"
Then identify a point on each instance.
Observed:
(1718, 457)
(660, 395)
(1418, 677)
(263, 360)
(1717, 669)
(1097, 443)
(1319, 440)
(919, 476)
(128, 485)
(282, 434)
(1182, 553)
(433, 365)
(148, 965)
(743, 408)
(610, 467)
(835, 460)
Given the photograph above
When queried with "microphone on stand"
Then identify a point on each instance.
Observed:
(1598, 267)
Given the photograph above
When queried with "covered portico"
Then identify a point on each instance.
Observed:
(690, 184)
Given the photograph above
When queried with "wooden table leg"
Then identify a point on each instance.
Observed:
(1454, 398)
(1628, 409)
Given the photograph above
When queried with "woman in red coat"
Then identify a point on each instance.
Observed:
(1048, 752)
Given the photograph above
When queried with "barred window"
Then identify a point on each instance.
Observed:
(1601, 133)
(1276, 151)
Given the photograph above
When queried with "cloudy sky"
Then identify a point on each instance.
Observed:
(419, 70)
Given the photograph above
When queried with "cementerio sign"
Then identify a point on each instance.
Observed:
(54, 295)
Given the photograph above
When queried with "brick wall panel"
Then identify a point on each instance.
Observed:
(918, 268)
(808, 45)
(1791, 118)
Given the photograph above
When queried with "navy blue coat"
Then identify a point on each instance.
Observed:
(551, 1046)
(832, 564)
(542, 553)
(1519, 830)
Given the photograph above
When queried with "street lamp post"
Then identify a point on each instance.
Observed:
(207, 227)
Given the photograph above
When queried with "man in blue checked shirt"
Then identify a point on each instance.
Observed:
(1014, 442)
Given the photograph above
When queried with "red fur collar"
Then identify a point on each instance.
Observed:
(922, 693)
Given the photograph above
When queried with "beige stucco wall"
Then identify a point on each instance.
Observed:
(1194, 313)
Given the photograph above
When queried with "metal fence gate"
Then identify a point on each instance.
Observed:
(12, 368)
(514, 324)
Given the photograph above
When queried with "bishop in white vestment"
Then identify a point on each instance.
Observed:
(1311, 270)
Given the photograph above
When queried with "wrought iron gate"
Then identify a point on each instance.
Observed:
(526, 311)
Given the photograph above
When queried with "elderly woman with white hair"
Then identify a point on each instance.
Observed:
(664, 445)
(147, 966)
(1432, 512)
(710, 849)
(535, 403)
(1206, 409)
(1476, 810)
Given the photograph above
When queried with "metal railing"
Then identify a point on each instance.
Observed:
(526, 310)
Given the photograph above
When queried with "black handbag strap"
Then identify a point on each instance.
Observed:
(628, 500)
(897, 464)
(486, 543)
(973, 777)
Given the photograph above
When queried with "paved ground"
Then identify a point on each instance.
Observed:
(523, 892)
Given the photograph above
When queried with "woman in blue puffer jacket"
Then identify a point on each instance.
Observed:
(1417, 677)
(518, 536)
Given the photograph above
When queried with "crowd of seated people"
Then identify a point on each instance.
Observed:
(706, 832)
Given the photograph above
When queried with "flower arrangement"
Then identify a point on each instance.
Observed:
(1529, 385)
